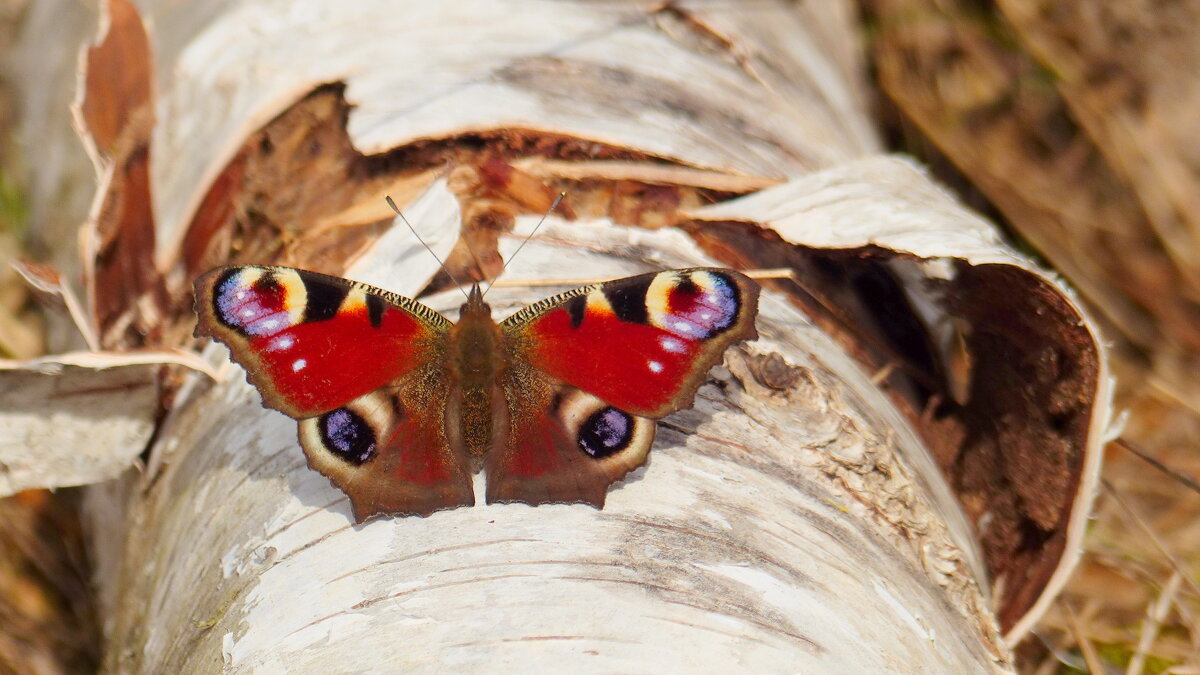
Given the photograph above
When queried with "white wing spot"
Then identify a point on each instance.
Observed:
(655, 366)
(683, 327)
(706, 315)
(247, 313)
(673, 345)
(282, 342)
(299, 365)
(241, 295)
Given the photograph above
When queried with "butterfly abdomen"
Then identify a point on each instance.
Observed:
(477, 362)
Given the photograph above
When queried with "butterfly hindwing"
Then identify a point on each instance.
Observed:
(388, 449)
(564, 445)
(359, 367)
(591, 368)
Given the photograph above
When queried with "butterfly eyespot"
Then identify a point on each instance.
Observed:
(255, 302)
(605, 432)
(701, 305)
(347, 435)
(692, 305)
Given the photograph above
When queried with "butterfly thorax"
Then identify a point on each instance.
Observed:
(477, 363)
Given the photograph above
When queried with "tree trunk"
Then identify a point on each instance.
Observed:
(835, 500)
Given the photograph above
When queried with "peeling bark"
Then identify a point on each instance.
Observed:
(805, 515)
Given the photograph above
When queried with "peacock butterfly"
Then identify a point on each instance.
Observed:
(398, 406)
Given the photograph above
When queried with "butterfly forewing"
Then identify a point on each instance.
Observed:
(312, 342)
(642, 344)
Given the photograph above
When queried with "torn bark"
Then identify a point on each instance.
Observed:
(804, 515)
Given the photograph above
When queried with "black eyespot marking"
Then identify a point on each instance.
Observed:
(374, 310)
(629, 300)
(347, 435)
(324, 299)
(267, 284)
(576, 308)
(606, 432)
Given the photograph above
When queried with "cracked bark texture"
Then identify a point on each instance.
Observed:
(798, 518)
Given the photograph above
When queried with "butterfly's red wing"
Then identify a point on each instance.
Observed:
(642, 344)
(591, 367)
(311, 342)
(359, 367)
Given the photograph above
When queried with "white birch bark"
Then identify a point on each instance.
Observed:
(794, 529)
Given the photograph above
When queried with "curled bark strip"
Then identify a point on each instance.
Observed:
(993, 361)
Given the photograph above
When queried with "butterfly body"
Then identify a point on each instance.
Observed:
(478, 349)
(398, 406)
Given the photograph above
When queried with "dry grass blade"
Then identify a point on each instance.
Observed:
(1155, 614)
(1142, 525)
(1184, 479)
(1090, 656)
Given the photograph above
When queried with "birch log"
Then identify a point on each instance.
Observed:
(793, 521)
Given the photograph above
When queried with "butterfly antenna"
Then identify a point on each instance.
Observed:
(557, 201)
(435, 256)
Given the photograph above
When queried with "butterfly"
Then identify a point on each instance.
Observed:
(399, 407)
